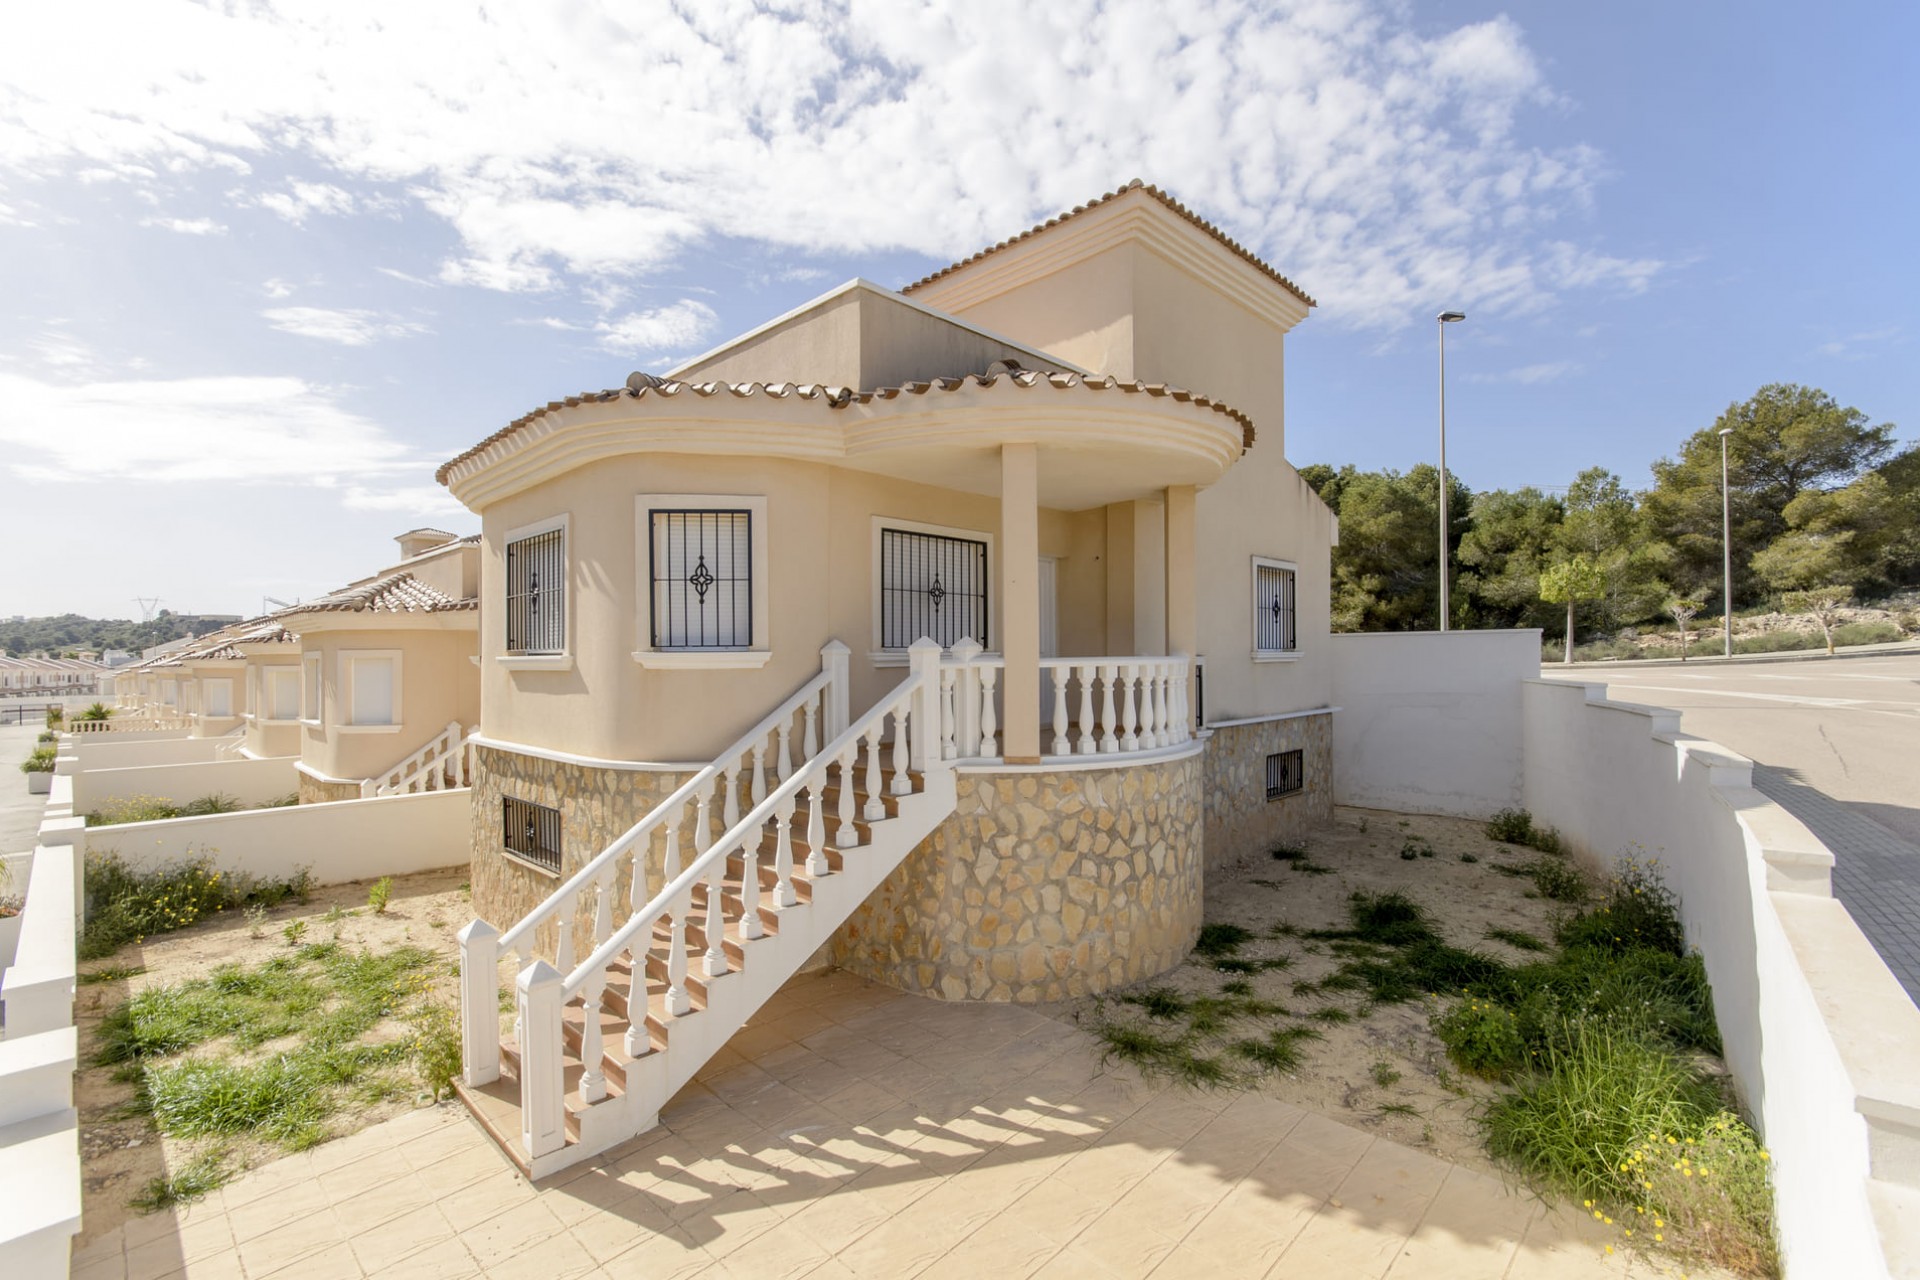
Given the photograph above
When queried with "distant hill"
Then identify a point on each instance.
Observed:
(71, 633)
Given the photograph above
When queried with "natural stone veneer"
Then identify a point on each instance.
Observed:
(1041, 886)
(596, 805)
(314, 791)
(1241, 822)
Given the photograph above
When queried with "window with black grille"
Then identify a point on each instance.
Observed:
(1286, 774)
(537, 593)
(531, 831)
(702, 579)
(1274, 627)
(931, 585)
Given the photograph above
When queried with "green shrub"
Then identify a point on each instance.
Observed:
(1516, 826)
(1707, 1194)
(1221, 939)
(133, 809)
(48, 735)
(379, 894)
(1866, 633)
(218, 802)
(98, 711)
(124, 905)
(1557, 880)
(39, 760)
(433, 1045)
(1637, 910)
(1482, 1039)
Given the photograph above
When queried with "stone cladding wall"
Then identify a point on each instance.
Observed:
(596, 805)
(1041, 886)
(1242, 824)
(314, 791)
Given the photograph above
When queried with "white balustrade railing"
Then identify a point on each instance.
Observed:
(233, 745)
(444, 764)
(1094, 706)
(775, 748)
(125, 724)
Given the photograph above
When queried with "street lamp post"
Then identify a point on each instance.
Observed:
(1445, 318)
(1726, 544)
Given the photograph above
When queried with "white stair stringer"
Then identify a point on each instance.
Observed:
(767, 963)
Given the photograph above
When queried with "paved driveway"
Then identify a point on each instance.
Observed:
(1837, 743)
(854, 1131)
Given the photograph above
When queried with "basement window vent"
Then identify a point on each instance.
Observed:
(1286, 774)
(531, 832)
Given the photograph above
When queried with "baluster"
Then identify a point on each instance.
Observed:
(603, 906)
(989, 725)
(593, 1042)
(1182, 713)
(1089, 740)
(1109, 740)
(678, 1002)
(902, 784)
(563, 948)
(1161, 720)
(730, 797)
(876, 808)
(783, 894)
(637, 1042)
(1149, 703)
(522, 957)
(715, 960)
(810, 736)
(1129, 684)
(759, 791)
(1061, 746)
(948, 749)
(846, 835)
(817, 823)
(783, 754)
(750, 926)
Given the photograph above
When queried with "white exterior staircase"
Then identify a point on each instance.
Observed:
(737, 915)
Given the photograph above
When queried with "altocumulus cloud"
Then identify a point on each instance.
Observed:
(676, 326)
(350, 328)
(1380, 164)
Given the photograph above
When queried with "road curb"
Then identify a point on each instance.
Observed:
(1740, 659)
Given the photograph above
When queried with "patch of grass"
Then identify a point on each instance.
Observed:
(1398, 1109)
(1636, 910)
(1516, 826)
(1170, 1057)
(1238, 987)
(1234, 964)
(1299, 860)
(218, 802)
(1708, 1194)
(1289, 853)
(1384, 1073)
(133, 809)
(1482, 1039)
(433, 1046)
(1221, 939)
(125, 905)
(1417, 847)
(1519, 939)
(1163, 1003)
(1278, 1050)
(1468, 857)
(1557, 880)
(199, 1177)
(1331, 1014)
(110, 973)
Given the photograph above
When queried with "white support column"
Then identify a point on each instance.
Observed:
(1020, 602)
(480, 1003)
(835, 658)
(1183, 606)
(924, 716)
(542, 1081)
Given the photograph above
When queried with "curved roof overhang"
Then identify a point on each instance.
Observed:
(1099, 440)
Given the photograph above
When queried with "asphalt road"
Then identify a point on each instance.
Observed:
(1837, 743)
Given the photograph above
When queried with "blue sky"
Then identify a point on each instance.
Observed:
(261, 271)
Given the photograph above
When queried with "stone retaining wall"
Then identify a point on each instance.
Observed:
(1242, 824)
(1041, 886)
(314, 791)
(596, 805)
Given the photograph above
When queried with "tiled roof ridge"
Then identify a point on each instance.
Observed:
(840, 397)
(395, 592)
(1136, 184)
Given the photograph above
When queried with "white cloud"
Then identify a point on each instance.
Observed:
(677, 325)
(240, 430)
(419, 499)
(277, 288)
(348, 328)
(1380, 163)
(1530, 374)
(187, 226)
(1858, 346)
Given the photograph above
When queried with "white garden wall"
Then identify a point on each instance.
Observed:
(1820, 1037)
(251, 782)
(342, 841)
(109, 751)
(1430, 721)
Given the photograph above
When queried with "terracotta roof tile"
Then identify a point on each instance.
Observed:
(398, 592)
(1136, 185)
(840, 397)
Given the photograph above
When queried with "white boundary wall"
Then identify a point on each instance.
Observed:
(79, 754)
(1430, 721)
(1823, 1043)
(251, 782)
(340, 841)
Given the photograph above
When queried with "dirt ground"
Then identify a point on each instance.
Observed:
(1361, 848)
(120, 1153)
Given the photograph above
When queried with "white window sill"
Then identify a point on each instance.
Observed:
(265, 720)
(529, 864)
(899, 657)
(704, 659)
(535, 662)
(367, 728)
(311, 724)
(1273, 655)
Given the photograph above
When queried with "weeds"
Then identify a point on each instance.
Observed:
(1384, 1073)
(111, 973)
(1515, 826)
(294, 931)
(257, 920)
(1417, 847)
(124, 905)
(434, 1046)
(199, 1177)
(1221, 939)
(1518, 939)
(1278, 1050)
(1557, 880)
(380, 893)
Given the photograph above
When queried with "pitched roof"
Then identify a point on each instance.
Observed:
(221, 645)
(397, 592)
(841, 397)
(1231, 244)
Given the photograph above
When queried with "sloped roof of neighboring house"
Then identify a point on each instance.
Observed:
(221, 645)
(397, 592)
(841, 397)
(1227, 241)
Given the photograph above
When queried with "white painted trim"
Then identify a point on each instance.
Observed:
(300, 766)
(367, 728)
(563, 521)
(704, 659)
(1276, 655)
(1292, 567)
(311, 666)
(590, 762)
(1273, 719)
(1084, 764)
(878, 523)
(529, 864)
(759, 572)
(860, 283)
(534, 662)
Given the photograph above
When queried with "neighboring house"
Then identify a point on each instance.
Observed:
(1061, 462)
(386, 666)
(236, 681)
(41, 674)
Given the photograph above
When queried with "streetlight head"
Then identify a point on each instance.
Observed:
(1726, 431)
(1448, 317)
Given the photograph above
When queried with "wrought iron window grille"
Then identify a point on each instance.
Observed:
(536, 593)
(702, 578)
(531, 832)
(931, 585)
(1286, 773)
